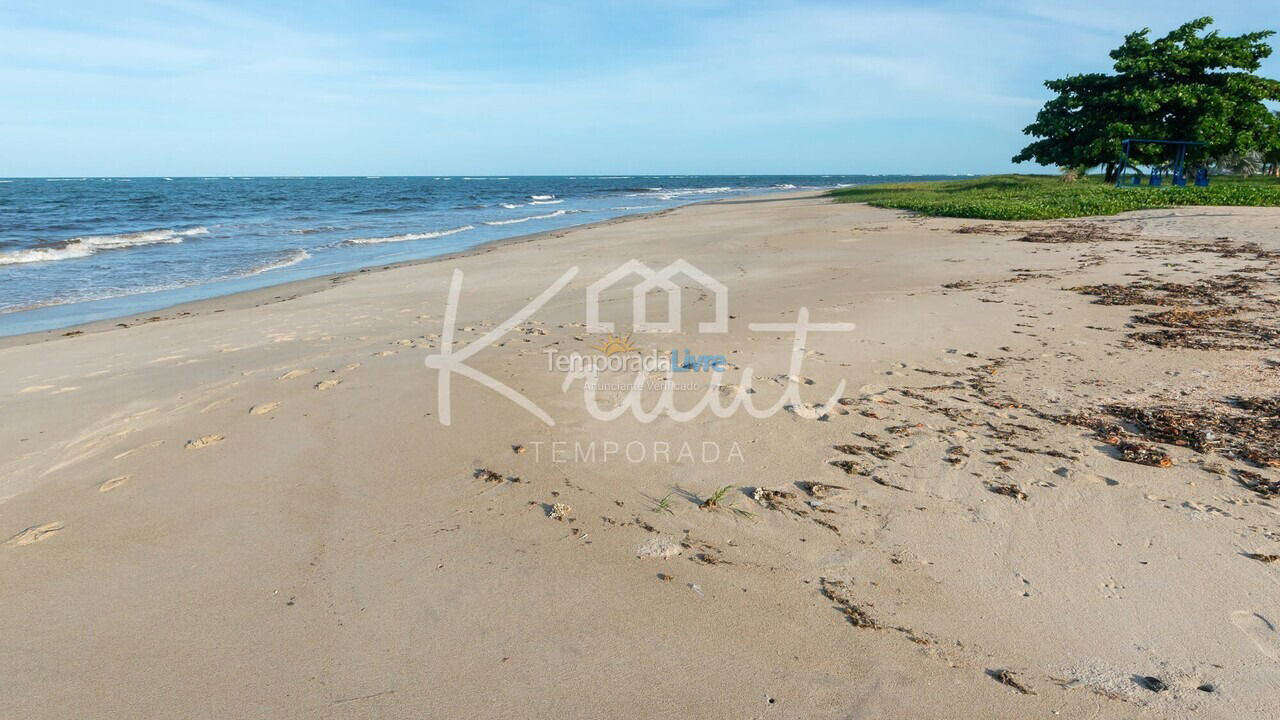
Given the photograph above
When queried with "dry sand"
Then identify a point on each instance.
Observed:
(248, 507)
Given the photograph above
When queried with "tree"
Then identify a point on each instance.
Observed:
(1187, 85)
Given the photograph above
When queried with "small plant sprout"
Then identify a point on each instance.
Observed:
(664, 505)
(714, 501)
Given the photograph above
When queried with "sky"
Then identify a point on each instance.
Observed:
(382, 87)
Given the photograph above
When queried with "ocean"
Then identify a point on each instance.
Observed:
(74, 250)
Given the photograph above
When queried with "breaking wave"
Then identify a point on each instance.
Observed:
(410, 236)
(513, 221)
(85, 246)
(293, 259)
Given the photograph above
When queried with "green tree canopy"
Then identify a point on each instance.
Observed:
(1188, 85)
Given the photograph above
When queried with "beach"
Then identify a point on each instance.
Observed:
(958, 494)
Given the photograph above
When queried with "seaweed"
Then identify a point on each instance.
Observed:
(1008, 490)
(838, 592)
(1008, 677)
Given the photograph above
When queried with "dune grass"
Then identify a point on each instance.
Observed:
(1045, 197)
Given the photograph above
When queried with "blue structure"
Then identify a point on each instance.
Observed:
(1179, 174)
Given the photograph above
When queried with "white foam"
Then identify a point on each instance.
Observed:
(146, 237)
(410, 236)
(541, 197)
(512, 206)
(513, 221)
(546, 202)
(90, 244)
(17, 257)
(297, 257)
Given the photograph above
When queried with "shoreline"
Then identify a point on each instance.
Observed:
(297, 288)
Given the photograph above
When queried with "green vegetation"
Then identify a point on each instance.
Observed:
(1044, 197)
(664, 505)
(1192, 84)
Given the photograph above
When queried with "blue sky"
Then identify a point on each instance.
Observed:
(335, 87)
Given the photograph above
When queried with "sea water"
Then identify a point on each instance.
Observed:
(74, 250)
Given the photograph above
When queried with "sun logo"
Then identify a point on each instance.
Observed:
(615, 344)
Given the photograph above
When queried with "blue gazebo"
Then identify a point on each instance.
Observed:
(1157, 174)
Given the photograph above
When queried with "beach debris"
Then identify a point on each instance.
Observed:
(1252, 436)
(1144, 454)
(666, 577)
(1207, 687)
(1154, 684)
(838, 592)
(696, 588)
(658, 548)
(519, 449)
(1007, 489)
(1075, 233)
(881, 481)
(1260, 557)
(850, 467)
(487, 475)
(983, 229)
(956, 454)
(559, 511)
(772, 499)
(204, 442)
(709, 558)
(34, 534)
(1010, 678)
(827, 525)
(821, 490)
(1258, 483)
(808, 411)
(327, 384)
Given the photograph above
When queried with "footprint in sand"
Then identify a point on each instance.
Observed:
(384, 353)
(734, 390)
(264, 408)
(327, 384)
(33, 534)
(36, 388)
(114, 483)
(294, 374)
(797, 379)
(140, 448)
(1260, 630)
(205, 441)
(215, 404)
(349, 368)
(808, 411)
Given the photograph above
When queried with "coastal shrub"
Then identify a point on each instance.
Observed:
(1045, 197)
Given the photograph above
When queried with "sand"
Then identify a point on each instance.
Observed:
(249, 507)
